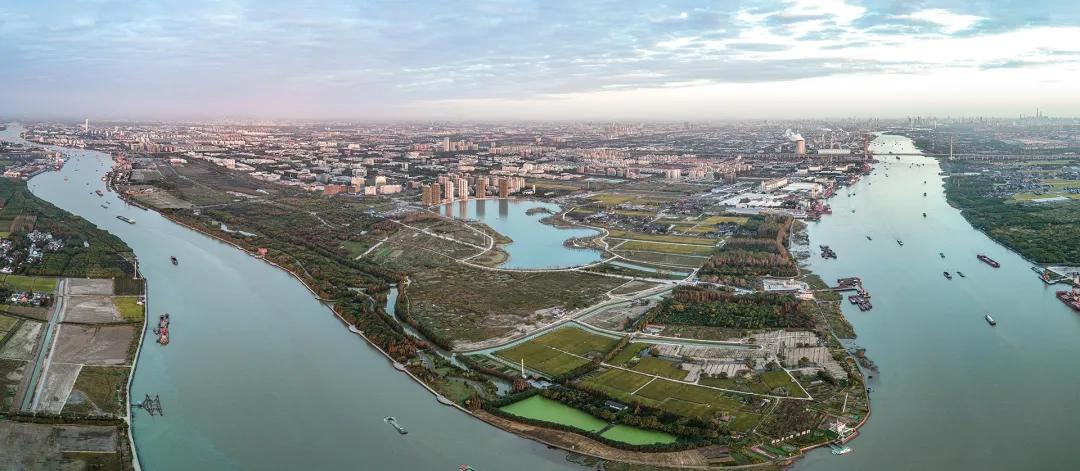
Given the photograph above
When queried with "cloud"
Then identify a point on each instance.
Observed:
(948, 21)
(373, 57)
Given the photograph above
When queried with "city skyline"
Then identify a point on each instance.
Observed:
(538, 61)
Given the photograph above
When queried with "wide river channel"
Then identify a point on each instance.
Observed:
(953, 392)
(259, 375)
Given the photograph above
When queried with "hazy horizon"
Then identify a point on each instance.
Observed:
(537, 61)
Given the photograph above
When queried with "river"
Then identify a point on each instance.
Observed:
(259, 375)
(953, 392)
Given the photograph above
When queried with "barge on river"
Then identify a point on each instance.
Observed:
(126, 219)
(988, 261)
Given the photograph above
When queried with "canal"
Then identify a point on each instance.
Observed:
(259, 375)
(953, 392)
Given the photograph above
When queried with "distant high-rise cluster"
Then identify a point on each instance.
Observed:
(450, 188)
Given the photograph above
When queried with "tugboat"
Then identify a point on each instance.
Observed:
(393, 422)
(988, 261)
(941, 254)
(869, 238)
(899, 242)
(924, 193)
(923, 214)
(174, 260)
(948, 276)
(990, 320)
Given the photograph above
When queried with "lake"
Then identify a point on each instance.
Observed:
(536, 245)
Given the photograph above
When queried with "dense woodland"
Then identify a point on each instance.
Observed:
(1043, 232)
(692, 305)
(759, 248)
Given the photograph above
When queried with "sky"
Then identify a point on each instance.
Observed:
(572, 60)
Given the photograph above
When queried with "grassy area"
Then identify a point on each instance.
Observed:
(11, 372)
(541, 358)
(577, 341)
(29, 283)
(553, 353)
(619, 384)
(464, 303)
(618, 234)
(696, 401)
(711, 220)
(129, 308)
(7, 324)
(629, 247)
(628, 353)
(94, 460)
(660, 367)
(765, 383)
(100, 385)
(355, 248)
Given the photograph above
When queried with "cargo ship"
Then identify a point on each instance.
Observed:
(126, 219)
(948, 276)
(988, 261)
(990, 320)
(1070, 298)
(162, 330)
(961, 274)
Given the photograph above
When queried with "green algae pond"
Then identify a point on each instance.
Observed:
(541, 408)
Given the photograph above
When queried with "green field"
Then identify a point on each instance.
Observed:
(7, 324)
(554, 352)
(764, 383)
(627, 353)
(659, 367)
(28, 283)
(101, 386)
(619, 384)
(617, 234)
(541, 358)
(630, 246)
(129, 308)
